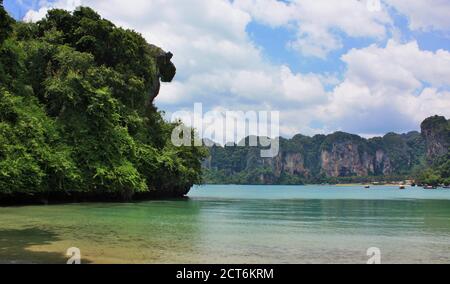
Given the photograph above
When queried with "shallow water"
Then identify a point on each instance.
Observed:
(238, 224)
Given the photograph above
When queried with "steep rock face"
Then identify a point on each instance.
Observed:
(294, 164)
(165, 71)
(287, 163)
(339, 155)
(345, 160)
(436, 132)
(344, 155)
(382, 163)
(398, 154)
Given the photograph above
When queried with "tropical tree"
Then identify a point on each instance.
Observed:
(77, 114)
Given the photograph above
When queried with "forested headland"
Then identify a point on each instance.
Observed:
(77, 119)
(78, 123)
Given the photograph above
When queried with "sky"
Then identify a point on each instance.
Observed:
(362, 66)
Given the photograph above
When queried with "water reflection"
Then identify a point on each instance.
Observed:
(237, 229)
(151, 232)
(16, 247)
(322, 231)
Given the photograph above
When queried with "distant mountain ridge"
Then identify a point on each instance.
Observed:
(338, 157)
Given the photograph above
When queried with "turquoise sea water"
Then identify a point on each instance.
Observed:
(239, 224)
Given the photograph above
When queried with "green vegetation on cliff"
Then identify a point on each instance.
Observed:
(338, 158)
(436, 130)
(77, 115)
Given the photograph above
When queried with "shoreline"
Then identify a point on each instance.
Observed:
(77, 198)
(318, 184)
(58, 198)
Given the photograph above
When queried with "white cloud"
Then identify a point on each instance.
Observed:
(385, 88)
(315, 41)
(388, 88)
(317, 21)
(424, 15)
(400, 66)
(271, 12)
(303, 89)
(33, 16)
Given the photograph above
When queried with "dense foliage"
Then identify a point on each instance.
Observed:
(437, 130)
(437, 174)
(77, 114)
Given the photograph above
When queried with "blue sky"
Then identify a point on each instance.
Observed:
(18, 9)
(326, 66)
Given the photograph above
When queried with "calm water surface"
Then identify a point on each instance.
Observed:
(238, 224)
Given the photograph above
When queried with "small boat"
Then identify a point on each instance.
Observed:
(429, 187)
(367, 186)
(402, 187)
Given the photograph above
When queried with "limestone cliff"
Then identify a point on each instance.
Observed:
(436, 132)
(345, 160)
(339, 155)
(165, 71)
